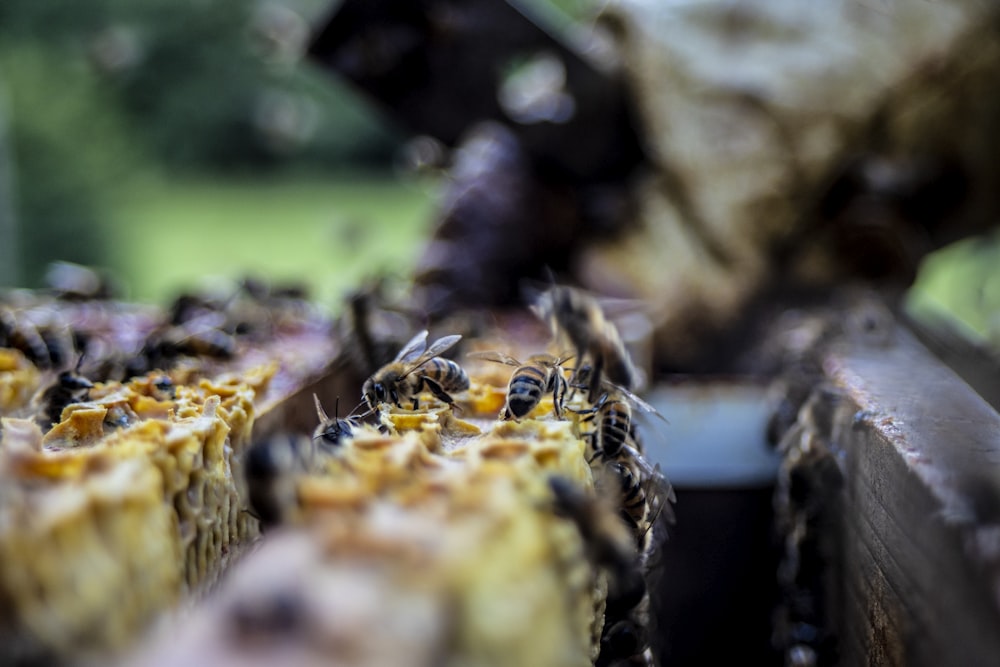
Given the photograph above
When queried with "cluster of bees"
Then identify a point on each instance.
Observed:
(195, 328)
(591, 384)
(615, 520)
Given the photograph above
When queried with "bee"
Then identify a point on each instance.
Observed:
(270, 469)
(74, 282)
(578, 316)
(645, 492)
(188, 306)
(414, 368)
(25, 337)
(613, 413)
(68, 388)
(541, 374)
(609, 546)
(606, 538)
(624, 643)
(331, 431)
(163, 388)
(212, 343)
(633, 496)
(163, 347)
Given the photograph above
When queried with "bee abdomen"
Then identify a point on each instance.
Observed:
(614, 429)
(525, 390)
(447, 374)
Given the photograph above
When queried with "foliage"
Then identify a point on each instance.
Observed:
(205, 84)
(102, 90)
(67, 147)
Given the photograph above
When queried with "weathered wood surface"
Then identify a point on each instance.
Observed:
(920, 530)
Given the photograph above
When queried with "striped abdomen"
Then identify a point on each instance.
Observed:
(614, 422)
(446, 374)
(525, 389)
(632, 494)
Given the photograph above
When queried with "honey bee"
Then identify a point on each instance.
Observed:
(625, 643)
(332, 430)
(74, 282)
(163, 388)
(212, 343)
(541, 374)
(633, 496)
(417, 367)
(609, 545)
(270, 469)
(578, 316)
(613, 413)
(645, 492)
(163, 347)
(25, 337)
(68, 388)
(606, 538)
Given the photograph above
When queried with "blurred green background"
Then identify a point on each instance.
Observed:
(169, 140)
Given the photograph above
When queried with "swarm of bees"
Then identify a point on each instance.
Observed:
(615, 519)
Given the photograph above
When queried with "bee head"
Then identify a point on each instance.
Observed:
(374, 393)
(334, 431)
(70, 380)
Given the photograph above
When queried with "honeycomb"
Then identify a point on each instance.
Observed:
(125, 505)
(430, 536)
(428, 541)
(19, 380)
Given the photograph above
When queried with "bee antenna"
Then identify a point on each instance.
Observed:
(336, 407)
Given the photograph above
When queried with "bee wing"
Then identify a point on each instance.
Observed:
(638, 402)
(617, 307)
(439, 347)
(659, 491)
(492, 355)
(442, 345)
(414, 348)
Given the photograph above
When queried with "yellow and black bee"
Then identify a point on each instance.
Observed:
(541, 374)
(332, 430)
(415, 368)
(68, 388)
(578, 316)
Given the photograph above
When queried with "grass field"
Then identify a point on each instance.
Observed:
(330, 231)
(334, 231)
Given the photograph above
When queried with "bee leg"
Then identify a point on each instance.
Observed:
(440, 393)
(595, 379)
(558, 395)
